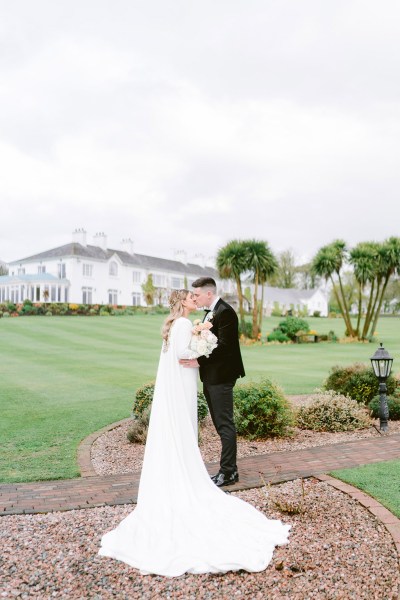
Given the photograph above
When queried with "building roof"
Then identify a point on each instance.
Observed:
(136, 260)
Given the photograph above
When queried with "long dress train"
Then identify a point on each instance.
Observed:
(183, 522)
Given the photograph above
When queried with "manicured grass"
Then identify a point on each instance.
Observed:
(380, 480)
(65, 377)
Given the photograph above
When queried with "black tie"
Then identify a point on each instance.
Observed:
(206, 311)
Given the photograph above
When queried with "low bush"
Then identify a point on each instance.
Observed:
(261, 410)
(137, 433)
(393, 405)
(291, 325)
(330, 411)
(246, 329)
(144, 398)
(357, 381)
(278, 336)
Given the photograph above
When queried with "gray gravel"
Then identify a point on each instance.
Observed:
(336, 550)
(111, 453)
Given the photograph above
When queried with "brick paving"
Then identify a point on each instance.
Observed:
(90, 491)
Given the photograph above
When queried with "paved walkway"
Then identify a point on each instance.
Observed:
(85, 492)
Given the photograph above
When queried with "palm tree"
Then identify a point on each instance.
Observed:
(364, 260)
(262, 263)
(327, 263)
(388, 265)
(231, 264)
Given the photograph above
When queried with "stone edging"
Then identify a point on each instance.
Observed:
(84, 448)
(388, 519)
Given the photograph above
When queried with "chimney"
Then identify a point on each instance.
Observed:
(200, 259)
(127, 245)
(181, 256)
(79, 237)
(100, 240)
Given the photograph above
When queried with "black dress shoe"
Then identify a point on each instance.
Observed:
(222, 480)
(215, 477)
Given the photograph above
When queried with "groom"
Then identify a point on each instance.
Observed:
(219, 372)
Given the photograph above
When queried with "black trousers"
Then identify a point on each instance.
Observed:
(220, 403)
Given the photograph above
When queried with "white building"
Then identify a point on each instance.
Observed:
(84, 273)
(296, 300)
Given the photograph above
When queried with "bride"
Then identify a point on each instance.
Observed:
(182, 521)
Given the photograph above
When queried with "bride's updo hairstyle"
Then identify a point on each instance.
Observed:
(176, 311)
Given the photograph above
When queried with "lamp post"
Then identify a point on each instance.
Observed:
(382, 365)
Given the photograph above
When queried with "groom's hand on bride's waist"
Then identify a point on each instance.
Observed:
(189, 362)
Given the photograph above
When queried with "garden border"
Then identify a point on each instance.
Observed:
(84, 449)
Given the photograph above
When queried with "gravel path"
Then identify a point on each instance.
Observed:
(111, 453)
(336, 550)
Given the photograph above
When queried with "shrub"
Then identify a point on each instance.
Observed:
(6, 314)
(291, 325)
(202, 406)
(316, 313)
(393, 404)
(261, 410)
(330, 411)
(278, 336)
(137, 433)
(357, 381)
(144, 397)
(246, 329)
(48, 313)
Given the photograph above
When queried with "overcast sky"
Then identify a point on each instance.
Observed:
(183, 124)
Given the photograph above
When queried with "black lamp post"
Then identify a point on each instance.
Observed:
(382, 365)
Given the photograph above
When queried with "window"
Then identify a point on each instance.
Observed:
(87, 270)
(159, 280)
(113, 268)
(41, 269)
(61, 271)
(53, 291)
(112, 296)
(176, 283)
(87, 295)
(136, 298)
(21, 271)
(136, 277)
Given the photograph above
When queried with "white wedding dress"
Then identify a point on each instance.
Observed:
(183, 522)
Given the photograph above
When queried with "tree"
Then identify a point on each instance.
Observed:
(308, 278)
(388, 265)
(364, 260)
(328, 263)
(261, 262)
(231, 264)
(286, 271)
(46, 295)
(149, 290)
(374, 264)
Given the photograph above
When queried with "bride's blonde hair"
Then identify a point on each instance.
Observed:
(176, 311)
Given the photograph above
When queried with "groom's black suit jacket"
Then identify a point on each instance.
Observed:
(225, 362)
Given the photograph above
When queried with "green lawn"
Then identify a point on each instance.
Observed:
(65, 377)
(380, 480)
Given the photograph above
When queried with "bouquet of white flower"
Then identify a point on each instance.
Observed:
(203, 341)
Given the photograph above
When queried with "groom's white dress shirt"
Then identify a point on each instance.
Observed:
(211, 308)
